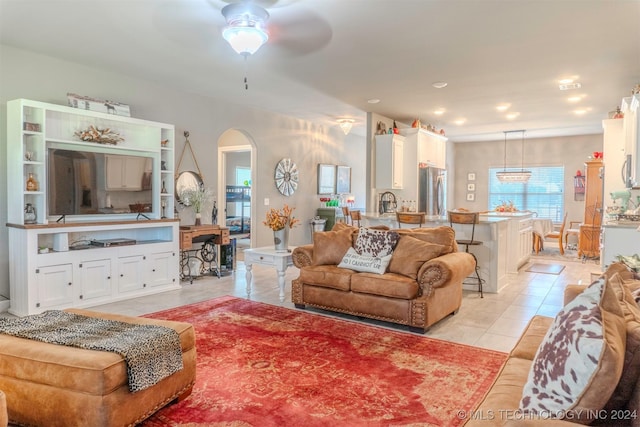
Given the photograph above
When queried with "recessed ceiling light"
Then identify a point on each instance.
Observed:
(569, 86)
(512, 116)
(503, 107)
(460, 122)
(373, 100)
(579, 112)
(574, 98)
(439, 85)
(565, 81)
(439, 111)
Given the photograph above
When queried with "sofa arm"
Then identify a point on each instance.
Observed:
(450, 268)
(302, 256)
(572, 291)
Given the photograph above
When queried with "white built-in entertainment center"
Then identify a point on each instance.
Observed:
(112, 235)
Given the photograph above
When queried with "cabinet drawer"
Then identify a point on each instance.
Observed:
(185, 240)
(223, 238)
(263, 259)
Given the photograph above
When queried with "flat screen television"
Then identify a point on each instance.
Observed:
(83, 182)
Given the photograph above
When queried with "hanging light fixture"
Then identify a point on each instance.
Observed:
(346, 125)
(245, 27)
(513, 176)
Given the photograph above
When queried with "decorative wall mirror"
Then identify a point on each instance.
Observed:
(187, 181)
(286, 177)
(326, 179)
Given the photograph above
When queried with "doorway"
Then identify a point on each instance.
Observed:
(236, 178)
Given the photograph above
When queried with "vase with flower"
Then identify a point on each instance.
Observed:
(196, 199)
(281, 221)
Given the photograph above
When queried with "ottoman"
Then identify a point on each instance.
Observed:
(54, 385)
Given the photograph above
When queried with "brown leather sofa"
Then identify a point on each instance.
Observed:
(4, 420)
(500, 406)
(54, 385)
(426, 290)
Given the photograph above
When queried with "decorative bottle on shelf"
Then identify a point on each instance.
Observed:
(30, 216)
(164, 189)
(32, 184)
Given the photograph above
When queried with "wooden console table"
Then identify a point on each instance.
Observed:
(209, 234)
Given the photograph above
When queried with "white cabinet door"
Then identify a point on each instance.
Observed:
(131, 273)
(163, 268)
(389, 161)
(125, 173)
(54, 286)
(95, 279)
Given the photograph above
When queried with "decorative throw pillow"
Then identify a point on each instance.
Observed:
(443, 235)
(579, 362)
(330, 246)
(368, 264)
(410, 253)
(376, 243)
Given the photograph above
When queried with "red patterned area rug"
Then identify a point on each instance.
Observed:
(264, 365)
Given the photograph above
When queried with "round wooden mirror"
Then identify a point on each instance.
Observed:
(187, 181)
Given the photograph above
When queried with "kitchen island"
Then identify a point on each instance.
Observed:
(492, 254)
(507, 241)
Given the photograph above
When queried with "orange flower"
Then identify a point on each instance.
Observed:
(278, 219)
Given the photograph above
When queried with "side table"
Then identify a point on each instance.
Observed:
(268, 256)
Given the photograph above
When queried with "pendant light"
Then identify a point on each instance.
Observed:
(513, 176)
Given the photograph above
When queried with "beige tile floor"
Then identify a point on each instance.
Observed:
(495, 321)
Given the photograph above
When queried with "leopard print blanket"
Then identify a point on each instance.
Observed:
(151, 352)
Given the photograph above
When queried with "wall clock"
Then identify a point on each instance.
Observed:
(286, 177)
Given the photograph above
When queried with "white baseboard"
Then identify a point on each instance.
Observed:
(4, 305)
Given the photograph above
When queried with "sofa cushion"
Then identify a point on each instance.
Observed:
(364, 263)
(580, 359)
(388, 285)
(327, 276)
(631, 367)
(411, 253)
(329, 247)
(531, 338)
(442, 235)
(375, 243)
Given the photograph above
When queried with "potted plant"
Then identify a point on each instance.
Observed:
(280, 221)
(197, 199)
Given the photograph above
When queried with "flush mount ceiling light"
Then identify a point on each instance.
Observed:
(513, 176)
(245, 27)
(439, 85)
(346, 125)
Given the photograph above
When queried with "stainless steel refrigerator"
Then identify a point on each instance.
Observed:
(432, 191)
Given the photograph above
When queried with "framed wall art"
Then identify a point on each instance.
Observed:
(471, 187)
(471, 176)
(326, 179)
(343, 179)
(471, 197)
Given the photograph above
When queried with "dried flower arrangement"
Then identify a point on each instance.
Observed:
(506, 207)
(277, 219)
(101, 136)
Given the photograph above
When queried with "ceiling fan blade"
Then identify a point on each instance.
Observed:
(298, 33)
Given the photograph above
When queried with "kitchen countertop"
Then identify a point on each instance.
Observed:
(622, 224)
(484, 219)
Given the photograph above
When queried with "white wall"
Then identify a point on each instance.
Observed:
(32, 76)
(570, 152)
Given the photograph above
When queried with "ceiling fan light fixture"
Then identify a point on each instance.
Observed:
(244, 30)
(346, 125)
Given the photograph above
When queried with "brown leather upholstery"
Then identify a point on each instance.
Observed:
(392, 297)
(76, 387)
(4, 420)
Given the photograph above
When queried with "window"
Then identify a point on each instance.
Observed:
(544, 193)
(243, 176)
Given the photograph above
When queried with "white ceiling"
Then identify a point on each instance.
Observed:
(326, 58)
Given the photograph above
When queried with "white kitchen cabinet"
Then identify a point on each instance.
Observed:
(430, 148)
(53, 286)
(123, 173)
(159, 269)
(95, 280)
(389, 161)
(618, 239)
(631, 133)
